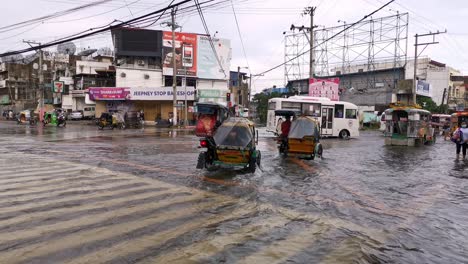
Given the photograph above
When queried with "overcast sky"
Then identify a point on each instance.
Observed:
(261, 22)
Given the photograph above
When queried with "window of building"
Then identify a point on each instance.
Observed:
(351, 114)
(339, 110)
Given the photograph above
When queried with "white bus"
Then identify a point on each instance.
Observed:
(337, 118)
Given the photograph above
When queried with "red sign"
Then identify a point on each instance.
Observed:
(186, 53)
(108, 93)
(327, 88)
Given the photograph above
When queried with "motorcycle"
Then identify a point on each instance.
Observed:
(61, 120)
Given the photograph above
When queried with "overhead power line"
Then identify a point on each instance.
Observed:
(207, 31)
(128, 22)
(328, 39)
(48, 17)
(240, 36)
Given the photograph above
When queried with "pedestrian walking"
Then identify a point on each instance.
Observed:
(460, 137)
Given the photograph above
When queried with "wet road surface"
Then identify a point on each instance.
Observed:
(79, 195)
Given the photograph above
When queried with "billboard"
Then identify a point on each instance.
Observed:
(207, 65)
(186, 53)
(325, 88)
(137, 42)
(424, 89)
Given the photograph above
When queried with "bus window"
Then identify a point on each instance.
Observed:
(291, 106)
(351, 114)
(339, 110)
(272, 106)
(310, 109)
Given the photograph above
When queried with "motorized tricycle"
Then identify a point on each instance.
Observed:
(233, 145)
(303, 140)
(27, 117)
(55, 117)
(408, 125)
(111, 121)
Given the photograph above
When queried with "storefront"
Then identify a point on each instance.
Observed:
(110, 99)
(156, 102)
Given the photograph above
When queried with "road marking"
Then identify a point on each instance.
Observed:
(281, 251)
(78, 199)
(35, 197)
(120, 250)
(214, 244)
(28, 253)
(96, 219)
(89, 206)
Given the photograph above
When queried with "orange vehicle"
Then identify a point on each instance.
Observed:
(457, 118)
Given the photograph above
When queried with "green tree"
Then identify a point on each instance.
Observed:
(261, 100)
(428, 104)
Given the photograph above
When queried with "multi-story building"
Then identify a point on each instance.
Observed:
(144, 73)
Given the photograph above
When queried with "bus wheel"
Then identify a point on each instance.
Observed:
(344, 134)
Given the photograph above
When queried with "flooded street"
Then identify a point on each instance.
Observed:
(79, 195)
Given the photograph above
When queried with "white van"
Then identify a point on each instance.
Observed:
(89, 112)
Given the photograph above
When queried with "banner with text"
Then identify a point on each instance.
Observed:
(161, 93)
(327, 88)
(108, 93)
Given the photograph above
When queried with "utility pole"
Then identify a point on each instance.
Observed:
(443, 97)
(174, 70)
(311, 11)
(41, 79)
(185, 103)
(416, 44)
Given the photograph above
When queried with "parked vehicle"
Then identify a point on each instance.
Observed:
(75, 115)
(408, 126)
(233, 145)
(89, 112)
(133, 119)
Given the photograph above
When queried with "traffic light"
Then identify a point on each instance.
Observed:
(228, 97)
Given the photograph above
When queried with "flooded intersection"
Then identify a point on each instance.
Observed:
(79, 195)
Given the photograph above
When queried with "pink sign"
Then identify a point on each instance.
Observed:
(108, 93)
(327, 88)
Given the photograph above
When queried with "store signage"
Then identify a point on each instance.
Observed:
(108, 93)
(57, 86)
(161, 93)
(211, 93)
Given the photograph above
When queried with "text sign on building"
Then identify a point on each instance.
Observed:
(327, 88)
(108, 93)
(423, 89)
(57, 86)
(161, 93)
(210, 93)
